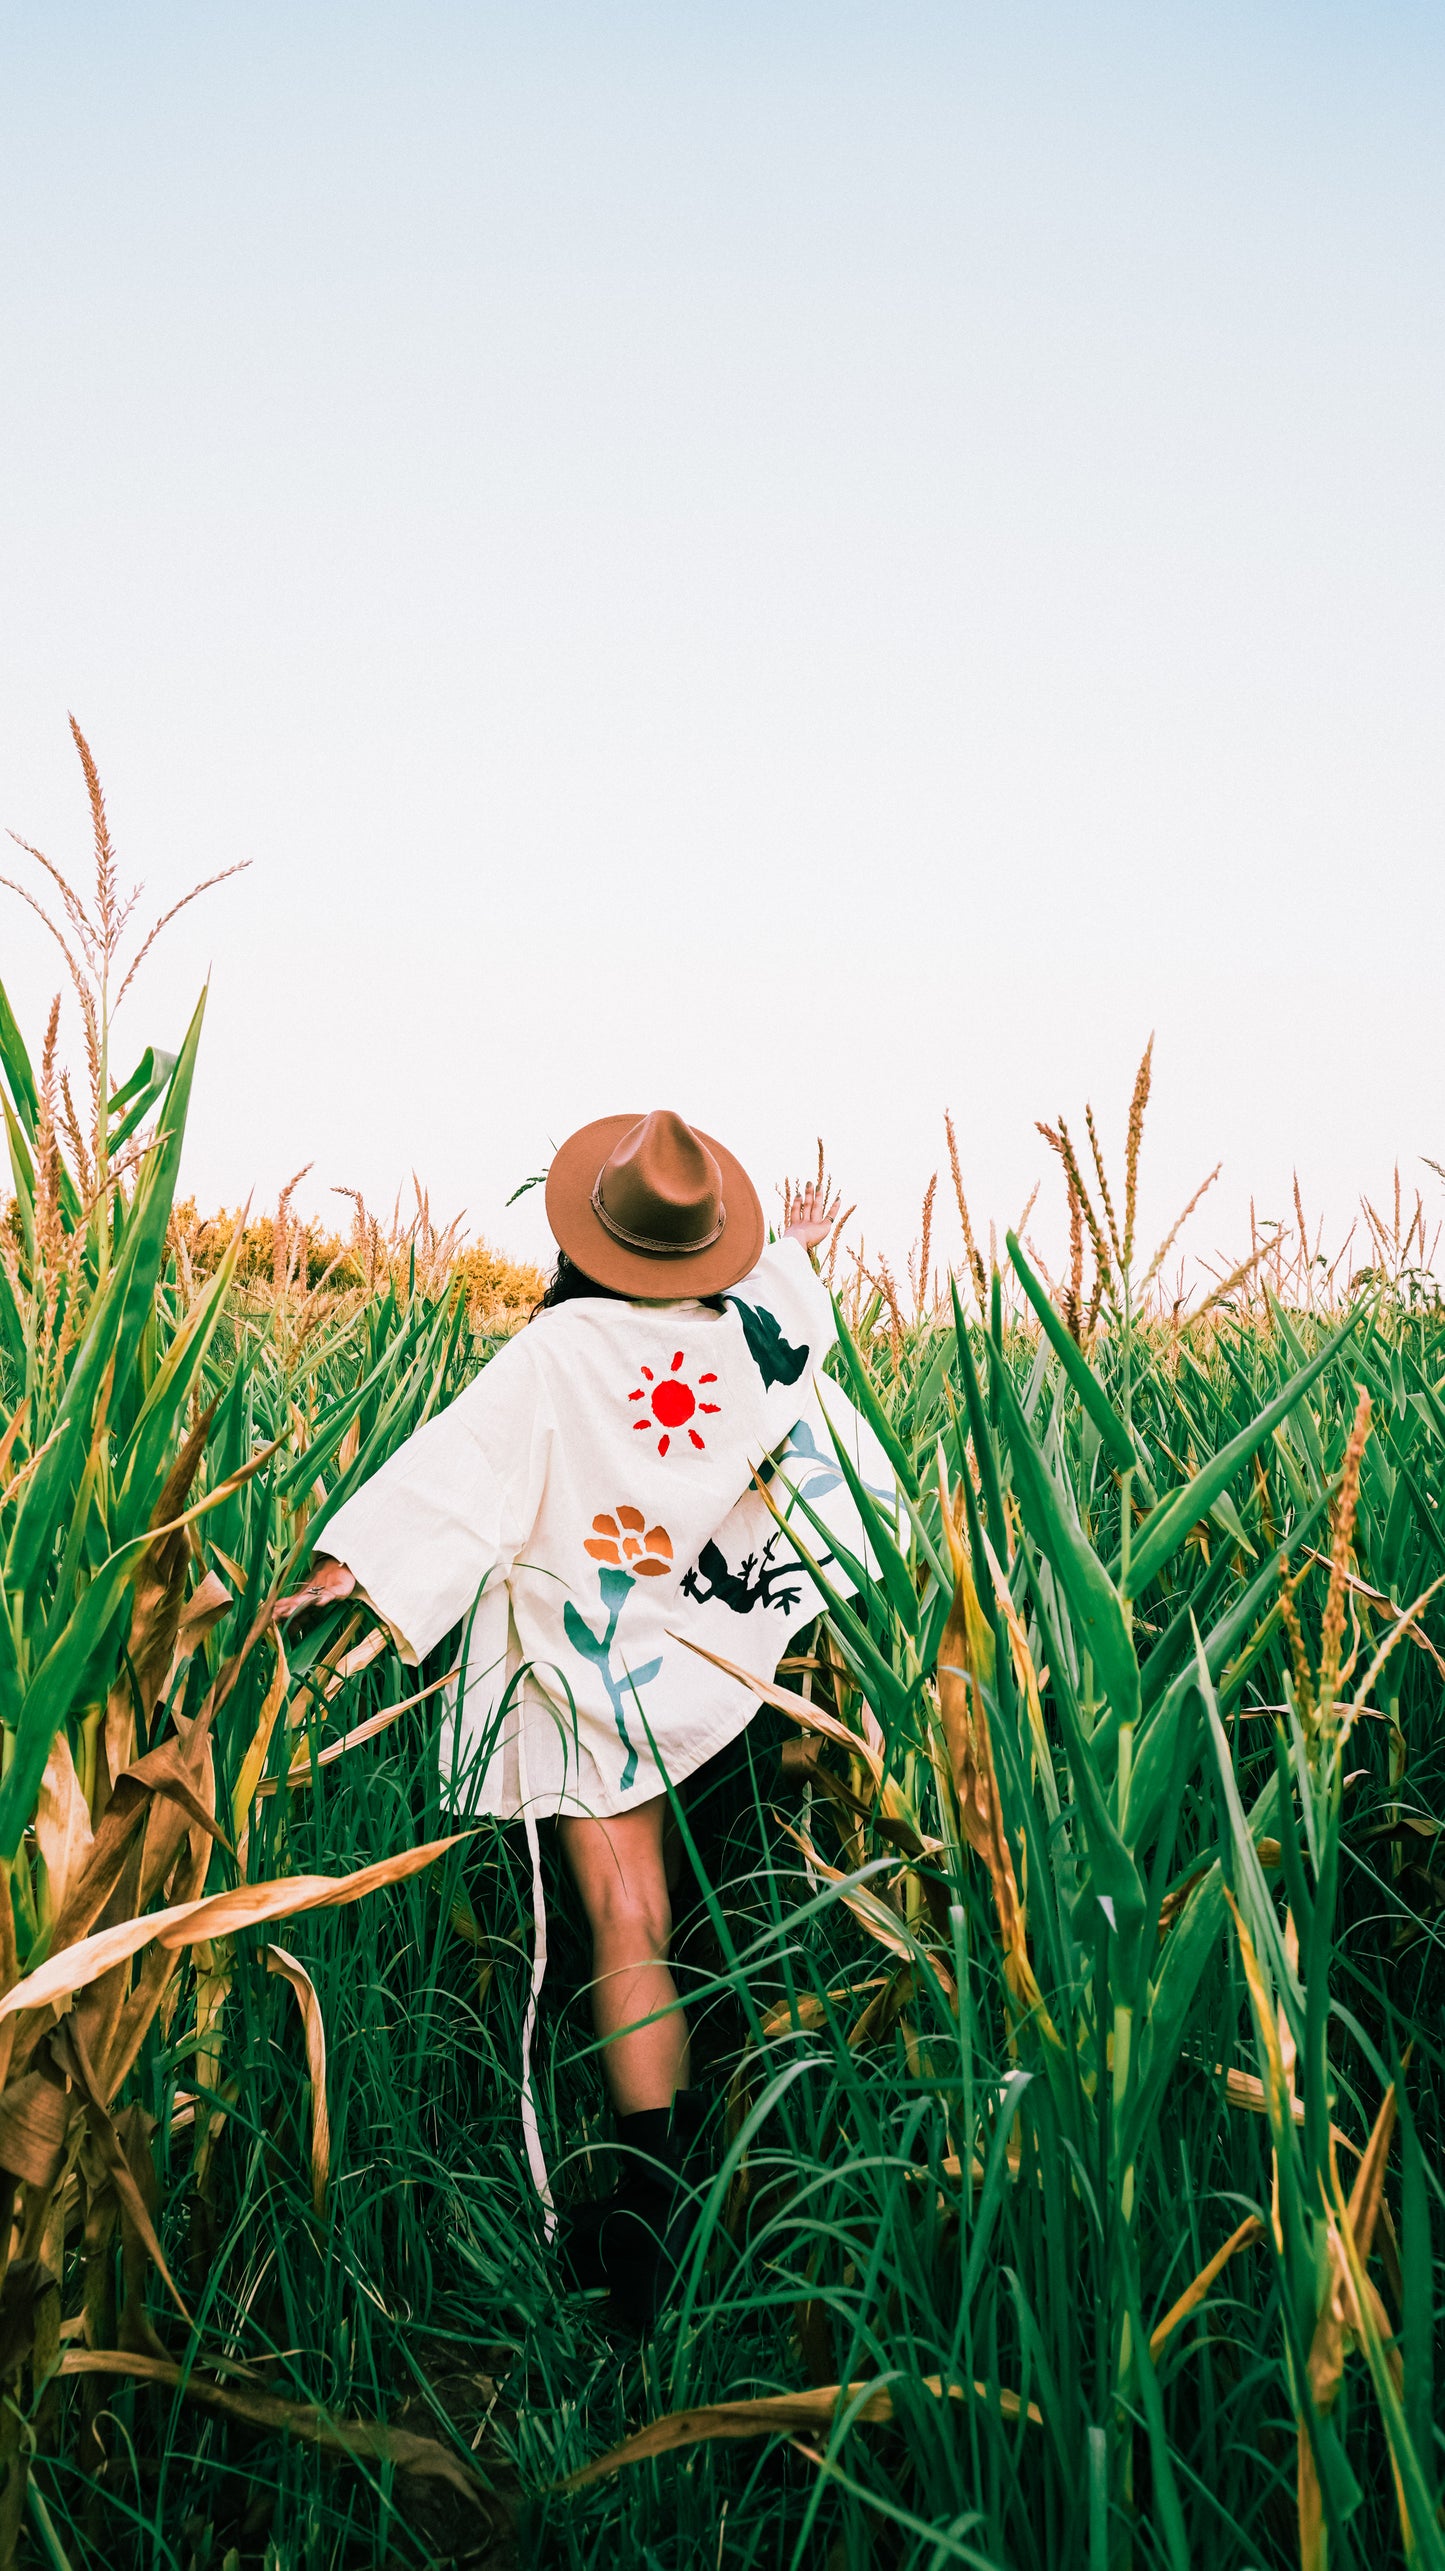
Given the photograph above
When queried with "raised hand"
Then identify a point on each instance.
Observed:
(811, 1219)
(329, 1581)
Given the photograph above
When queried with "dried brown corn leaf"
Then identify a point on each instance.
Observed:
(359, 2439)
(299, 1772)
(62, 1822)
(186, 1923)
(778, 2414)
(867, 1909)
(1251, 2229)
(314, 2029)
(35, 2119)
(802, 1710)
(253, 1764)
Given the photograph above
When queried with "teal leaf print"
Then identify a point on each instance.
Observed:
(580, 1636)
(776, 1359)
(616, 1587)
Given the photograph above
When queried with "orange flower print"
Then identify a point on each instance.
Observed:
(673, 1404)
(628, 1540)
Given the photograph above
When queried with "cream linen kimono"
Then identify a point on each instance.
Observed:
(587, 1506)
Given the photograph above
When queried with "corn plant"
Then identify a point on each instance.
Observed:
(1068, 1996)
(122, 1855)
(1047, 1683)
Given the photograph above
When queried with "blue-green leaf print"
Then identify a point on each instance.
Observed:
(616, 1587)
(776, 1359)
(802, 1448)
(580, 1635)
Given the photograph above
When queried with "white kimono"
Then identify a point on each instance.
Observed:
(588, 1501)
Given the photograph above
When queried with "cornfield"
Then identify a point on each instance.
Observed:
(1063, 1940)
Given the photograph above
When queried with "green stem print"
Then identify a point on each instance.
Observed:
(616, 1586)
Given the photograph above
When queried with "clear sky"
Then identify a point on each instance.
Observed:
(805, 562)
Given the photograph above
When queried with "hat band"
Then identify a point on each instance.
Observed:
(647, 1241)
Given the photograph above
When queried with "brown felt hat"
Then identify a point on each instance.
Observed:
(649, 1206)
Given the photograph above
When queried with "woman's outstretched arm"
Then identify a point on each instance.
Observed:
(329, 1581)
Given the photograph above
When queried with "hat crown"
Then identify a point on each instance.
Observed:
(661, 1188)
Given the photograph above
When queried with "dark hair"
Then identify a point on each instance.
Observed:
(568, 1283)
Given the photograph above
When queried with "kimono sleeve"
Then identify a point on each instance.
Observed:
(451, 1508)
(787, 1316)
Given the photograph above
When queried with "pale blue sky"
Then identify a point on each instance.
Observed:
(804, 562)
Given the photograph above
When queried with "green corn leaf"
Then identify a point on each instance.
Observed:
(15, 1062)
(1243, 1869)
(871, 1407)
(926, 1395)
(1113, 1875)
(111, 1341)
(1166, 2509)
(22, 1171)
(1155, 1747)
(1185, 1954)
(46, 1500)
(1226, 1516)
(53, 1690)
(1427, 1516)
(140, 1093)
(12, 1325)
(1170, 1648)
(1100, 1627)
(864, 1657)
(1117, 1441)
(897, 1578)
(980, 1433)
(1418, 2333)
(1291, 1340)
(1414, 2464)
(162, 1417)
(995, 2179)
(1165, 1528)
(878, 1523)
(20, 1080)
(148, 1078)
(146, 1222)
(419, 1372)
(12, 1685)
(67, 1572)
(861, 1580)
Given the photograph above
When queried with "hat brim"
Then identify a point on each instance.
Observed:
(650, 1277)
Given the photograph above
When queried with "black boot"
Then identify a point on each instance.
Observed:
(643, 2188)
(632, 2240)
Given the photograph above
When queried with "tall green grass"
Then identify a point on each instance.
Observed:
(1091, 1924)
(920, 2169)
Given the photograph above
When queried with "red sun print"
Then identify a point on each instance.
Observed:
(673, 1404)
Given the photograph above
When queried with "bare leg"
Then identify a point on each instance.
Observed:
(620, 1871)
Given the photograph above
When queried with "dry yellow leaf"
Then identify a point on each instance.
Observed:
(355, 2438)
(299, 1772)
(1251, 2229)
(254, 1761)
(62, 1823)
(799, 1709)
(186, 1923)
(779, 2414)
(314, 2028)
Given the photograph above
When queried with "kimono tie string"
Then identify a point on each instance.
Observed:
(531, 2130)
